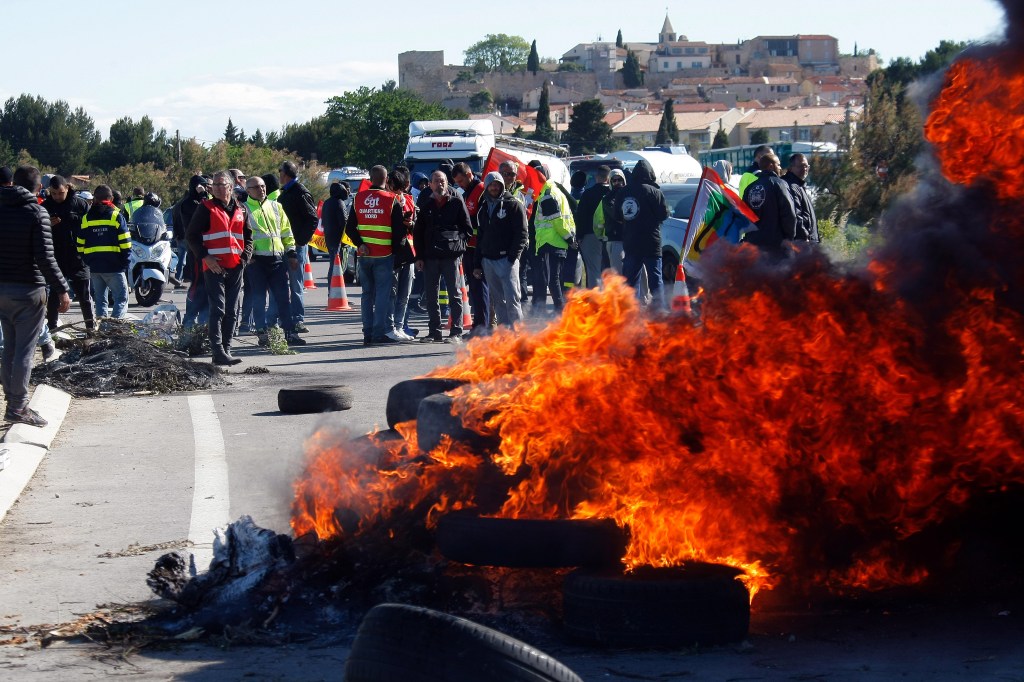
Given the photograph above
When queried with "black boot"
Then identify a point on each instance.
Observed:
(222, 357)
(231, 358)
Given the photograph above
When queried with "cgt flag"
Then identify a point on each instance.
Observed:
(718, 213)
(527, 175)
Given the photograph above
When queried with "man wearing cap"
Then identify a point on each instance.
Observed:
(27, 265)
(612, 222)
(591, 244)
(502, 237)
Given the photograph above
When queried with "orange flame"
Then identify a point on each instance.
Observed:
(811, 424)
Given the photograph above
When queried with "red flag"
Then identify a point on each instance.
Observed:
(527, 175)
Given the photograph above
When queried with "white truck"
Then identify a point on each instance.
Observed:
(432, 143)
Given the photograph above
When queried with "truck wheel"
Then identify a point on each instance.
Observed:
(530, 543)
(314, 399)
(651, 608)
(402, 643)
(405, 397)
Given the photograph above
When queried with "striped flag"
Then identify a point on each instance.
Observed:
(718, 213)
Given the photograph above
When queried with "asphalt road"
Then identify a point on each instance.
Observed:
(118, 489)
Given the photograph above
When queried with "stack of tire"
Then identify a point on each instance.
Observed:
(651, 607)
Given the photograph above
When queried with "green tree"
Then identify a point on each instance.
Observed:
(721, 139)
(543, 131)
(668, 130)
(499, 52)
(231, 133)
(481, 102)
(632, 76)
(257, 139)
(133, 143)
(587, 132)
(304, 139)
(59, 137)
(367, 126)
(533, 61)
(618, 38)
(759, 136)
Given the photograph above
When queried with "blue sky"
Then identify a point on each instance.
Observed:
(265, 63)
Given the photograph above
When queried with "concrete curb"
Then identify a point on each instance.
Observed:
(25, 446)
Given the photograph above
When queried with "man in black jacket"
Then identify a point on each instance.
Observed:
(592, 246)
(771, 200)
(442, 229)
(334, 216)
(642, 208)
(502, 237)
(27, 265)
(197, 304)
(66, 209)
(300, 207)
(796, 178)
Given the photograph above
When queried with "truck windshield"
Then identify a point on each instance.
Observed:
(428, 166)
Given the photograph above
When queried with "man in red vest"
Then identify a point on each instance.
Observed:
(374, 225)
(220, 237)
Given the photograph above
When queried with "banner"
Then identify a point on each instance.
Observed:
(531, 180)
(718, 213)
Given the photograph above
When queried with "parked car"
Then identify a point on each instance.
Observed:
(680, 198)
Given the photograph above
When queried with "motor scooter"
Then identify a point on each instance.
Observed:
(151, 255)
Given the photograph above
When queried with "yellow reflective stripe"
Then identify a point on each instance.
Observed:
(100, 223)
(101, 249)
(375, 240)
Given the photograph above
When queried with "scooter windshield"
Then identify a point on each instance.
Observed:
(148, 233)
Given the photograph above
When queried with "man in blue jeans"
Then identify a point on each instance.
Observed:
(27, 265)
(374, 225)
(105, 245)
(642, 208)
(300, 208)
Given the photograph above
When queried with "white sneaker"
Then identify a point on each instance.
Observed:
(396, 336)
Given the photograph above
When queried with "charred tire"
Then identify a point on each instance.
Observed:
(404, 397)
(400, 643)
(530, 543)
(148, 292)
(313, 399)
(654, 608)
(434, 419)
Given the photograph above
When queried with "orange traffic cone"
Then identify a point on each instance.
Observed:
(337, 297)
(307, 276)
(467, 315)
(680, 292)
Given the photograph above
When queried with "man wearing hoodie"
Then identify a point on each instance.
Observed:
(554, 231)
(642, 208)
(502, 237)
(197, 305)
(334, 215)
(27, 265)
(591, 244)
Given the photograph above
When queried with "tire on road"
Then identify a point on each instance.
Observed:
(401, 643)
(434, 419)
(404, 397)
(148, 292)
(530, 543)
(653, 608)
(313, 399)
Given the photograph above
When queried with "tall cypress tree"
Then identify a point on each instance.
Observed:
(618, 39)
(544, 132)
(533, 61)
(668, 131)
(632, 76)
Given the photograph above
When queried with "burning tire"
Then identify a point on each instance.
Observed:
(698, 603)
(435, 419)
(400, 643)
(405, 397)
(530, 543)
(313, 399)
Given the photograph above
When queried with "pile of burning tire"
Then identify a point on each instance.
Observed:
(649, 607)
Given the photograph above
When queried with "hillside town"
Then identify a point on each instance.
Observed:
(795, 88)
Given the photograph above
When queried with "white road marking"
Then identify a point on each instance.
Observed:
(210, 504)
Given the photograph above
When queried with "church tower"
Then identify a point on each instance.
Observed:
(667, 35)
